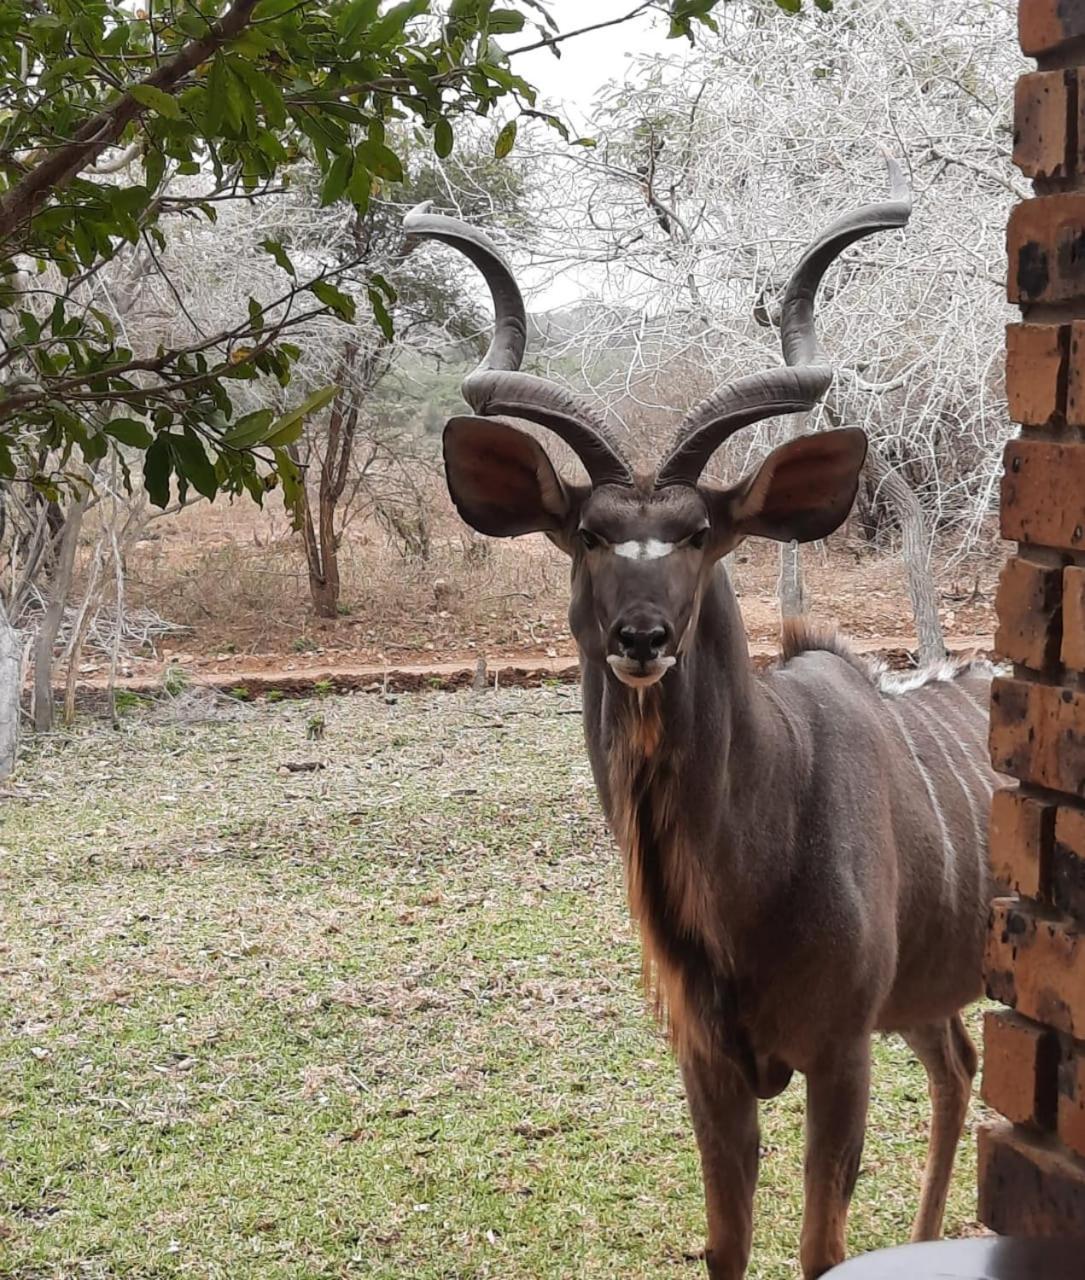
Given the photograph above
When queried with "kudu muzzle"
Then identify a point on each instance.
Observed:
(639, 647)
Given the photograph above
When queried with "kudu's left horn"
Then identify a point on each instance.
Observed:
(497, 386)
(803, 380)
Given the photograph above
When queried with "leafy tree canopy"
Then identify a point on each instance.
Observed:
(119, 121)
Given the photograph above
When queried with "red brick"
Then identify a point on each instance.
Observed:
(1043, 493)
(1038, 734)
(1075, 374)
(1036, 371)
(1021, 834)
(1045, 239)
(1020, 1069)
(1043, 26)
(1029, 611)
(1071, 1098)
(1073, 617)
(1036, 966)
(1043, 102)
(1068, 864)
(1029, 1187)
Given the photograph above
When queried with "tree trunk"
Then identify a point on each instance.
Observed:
(321, 539)
(80, 627)
(327, 606)
(11, 687)
(915, 550)
(320, 554)
(789, 587)
(118, 631)
(54, 616)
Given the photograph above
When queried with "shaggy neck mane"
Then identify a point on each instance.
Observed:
(666, 901)
(688, 964)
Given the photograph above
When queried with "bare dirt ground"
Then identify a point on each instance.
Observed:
(234, 581)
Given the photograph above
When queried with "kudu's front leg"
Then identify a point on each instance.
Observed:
(837, 1092)
(724, 1112)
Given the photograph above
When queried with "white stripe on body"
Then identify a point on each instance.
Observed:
(927, 714)
(947, 848)
(984, 711)
(652, 549)
(981, 766)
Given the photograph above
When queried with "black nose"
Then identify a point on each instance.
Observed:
(643, 643)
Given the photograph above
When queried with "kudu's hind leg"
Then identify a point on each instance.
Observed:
(837, 1093)
(949, 1057)
(724, 1113)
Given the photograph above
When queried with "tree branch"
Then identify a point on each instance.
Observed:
(548, 42)
(104, 129)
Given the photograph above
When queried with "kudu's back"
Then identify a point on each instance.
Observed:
(904, 787)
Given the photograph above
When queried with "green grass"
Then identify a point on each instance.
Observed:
(382, 1019)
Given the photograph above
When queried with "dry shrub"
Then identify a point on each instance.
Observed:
(237, 576)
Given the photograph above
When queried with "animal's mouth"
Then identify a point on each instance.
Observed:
(637, 674)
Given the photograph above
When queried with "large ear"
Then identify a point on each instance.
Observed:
(501, 480)
(803, 490)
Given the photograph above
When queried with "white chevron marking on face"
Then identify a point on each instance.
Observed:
(650, 550)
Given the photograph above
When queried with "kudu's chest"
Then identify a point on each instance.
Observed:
(689, 966)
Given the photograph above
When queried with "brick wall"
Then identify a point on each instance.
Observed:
(1032, 1163)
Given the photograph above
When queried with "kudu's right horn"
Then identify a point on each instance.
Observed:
(803, 380)
(497, 386)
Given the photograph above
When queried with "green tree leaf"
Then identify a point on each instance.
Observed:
(360, 185)
(192, 462)
(355, 18)
(280, 255)
(335, 183)
(129, 431)
(286, 435)
(290, 475)
(503, 21)
(162, 103)
(263, 88)
(249, 430)
(443, 138)
(283, 431)
(380, 159)
(217, 96)
(505, 140)
(391, 27)
(157, 464)
(332, 297)
(380, 313)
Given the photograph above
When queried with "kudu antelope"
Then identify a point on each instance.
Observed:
(805, 850)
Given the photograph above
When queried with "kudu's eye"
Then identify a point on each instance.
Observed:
(588, 539)
(699, 539)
